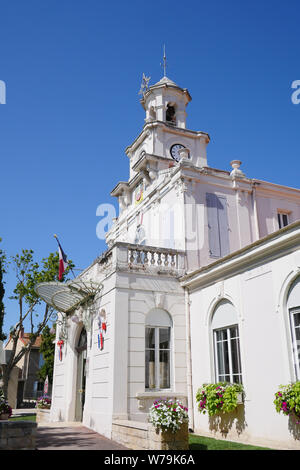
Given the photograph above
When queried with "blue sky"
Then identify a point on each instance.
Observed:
(73, 71)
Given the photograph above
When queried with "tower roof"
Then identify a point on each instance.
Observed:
(166, 81)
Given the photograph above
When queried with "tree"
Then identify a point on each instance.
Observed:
(30, 307)
(2, 292)
(47, 348)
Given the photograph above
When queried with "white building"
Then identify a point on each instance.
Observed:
(195, 250)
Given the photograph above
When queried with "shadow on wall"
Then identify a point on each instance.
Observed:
(226, 423)
(294, 427)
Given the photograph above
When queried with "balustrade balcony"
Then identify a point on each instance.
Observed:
(132, 257)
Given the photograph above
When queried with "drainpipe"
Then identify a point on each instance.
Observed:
(189, 359)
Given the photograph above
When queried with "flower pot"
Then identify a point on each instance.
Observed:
(4, 416)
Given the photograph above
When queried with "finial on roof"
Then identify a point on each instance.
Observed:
(236, 172)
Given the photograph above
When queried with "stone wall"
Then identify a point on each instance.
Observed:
(17, 435)
(142, 436)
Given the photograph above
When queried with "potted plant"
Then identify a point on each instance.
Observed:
(5, 409)
(221, 397)
(169, 419)
(287, 400)
(43, 402)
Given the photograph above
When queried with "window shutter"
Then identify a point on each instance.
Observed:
(217, 225)
(213, 225)
(223, 225)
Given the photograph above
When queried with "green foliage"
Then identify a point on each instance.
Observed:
(29, 273)
(48, 350)
(2, 292)
(287, 400)
(221, 397)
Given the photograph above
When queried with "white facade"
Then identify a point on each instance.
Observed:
(177, 249)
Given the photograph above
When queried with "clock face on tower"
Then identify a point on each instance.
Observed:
(174, 151)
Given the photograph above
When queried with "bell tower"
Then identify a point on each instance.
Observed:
(166, 102)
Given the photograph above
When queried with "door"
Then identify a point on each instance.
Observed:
(81, 375)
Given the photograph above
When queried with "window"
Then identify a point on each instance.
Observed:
(41, 360)
(295, 331)
(225, 331)
(293, 309)
(227, 354)
(157, 350)
(283, 219)
(171, 114)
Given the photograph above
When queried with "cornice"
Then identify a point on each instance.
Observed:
(271, 246)
(166, 128)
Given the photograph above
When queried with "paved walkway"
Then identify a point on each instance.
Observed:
(72, 436)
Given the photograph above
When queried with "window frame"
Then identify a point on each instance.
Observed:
(228, 341)
(295, 353)
(280, 214)
(156, 358)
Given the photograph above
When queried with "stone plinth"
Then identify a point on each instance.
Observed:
(17, 435)
(42, 415)
(142, 436)
(167, 440)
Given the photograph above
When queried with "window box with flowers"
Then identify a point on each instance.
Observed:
(287, 400)
(222, 397)
(169, 430)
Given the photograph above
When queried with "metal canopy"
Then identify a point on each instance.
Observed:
(66, 297)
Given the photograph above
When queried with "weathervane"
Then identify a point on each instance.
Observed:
(144, 85)
(164, 64)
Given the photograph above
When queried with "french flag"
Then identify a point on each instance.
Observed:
(63, 263)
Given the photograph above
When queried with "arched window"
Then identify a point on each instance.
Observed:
(226, 339)
(293, 305)
(158, 350)
(171, 114)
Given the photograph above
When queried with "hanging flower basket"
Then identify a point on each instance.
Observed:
(222, 397)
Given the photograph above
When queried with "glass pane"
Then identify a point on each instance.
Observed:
(149, 369)
(237, 379)
(164, 338)
(221, 335)
(235, 356)
(285, 221)
(164, 369)
(150, 338)
(297, 319)
(297, 333)
(234, 332)
(223, 358)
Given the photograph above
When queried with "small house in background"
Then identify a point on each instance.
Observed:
(24, 385)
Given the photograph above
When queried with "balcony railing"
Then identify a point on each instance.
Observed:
(127, 256)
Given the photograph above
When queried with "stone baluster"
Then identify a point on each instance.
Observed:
(152, 258)
(173, 264)
(131, 255)
(138, 257)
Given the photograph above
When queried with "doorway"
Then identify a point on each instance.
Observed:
(81, 374)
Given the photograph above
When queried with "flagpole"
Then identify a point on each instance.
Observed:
(56, 237)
